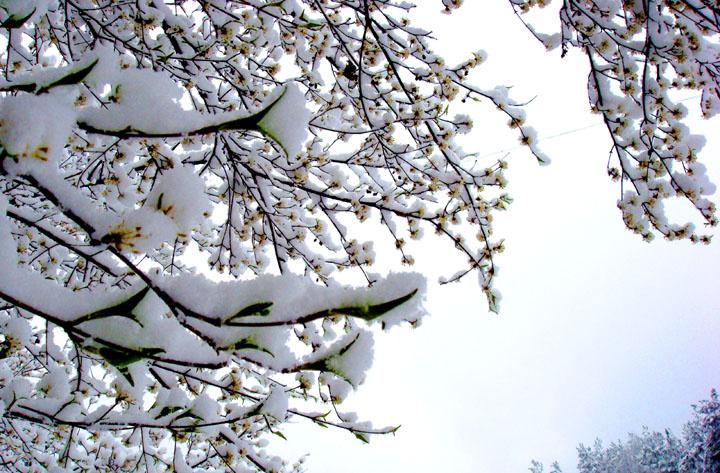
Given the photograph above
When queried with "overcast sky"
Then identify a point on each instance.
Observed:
(599, 332)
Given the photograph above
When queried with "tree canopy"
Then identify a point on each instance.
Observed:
(138, 138)
(697, 451)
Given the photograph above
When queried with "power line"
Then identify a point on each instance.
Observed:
(562, 133)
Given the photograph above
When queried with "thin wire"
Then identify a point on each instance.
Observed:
(562, 133)
(543, 139)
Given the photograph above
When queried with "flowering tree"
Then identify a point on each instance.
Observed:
(137, 136)
(251, 133)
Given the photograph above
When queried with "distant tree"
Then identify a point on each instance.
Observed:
(702, 438)
(653, 452)
(537, 467)
(138, 137)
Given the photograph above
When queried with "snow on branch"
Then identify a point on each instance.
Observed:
(256, 135)
(641, 55)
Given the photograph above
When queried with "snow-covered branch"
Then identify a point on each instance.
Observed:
(641, 56)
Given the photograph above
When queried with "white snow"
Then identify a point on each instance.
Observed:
(288, 118)
(37, 127)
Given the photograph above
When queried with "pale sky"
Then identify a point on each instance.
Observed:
(599, 332)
